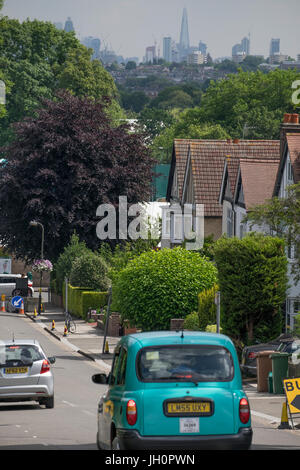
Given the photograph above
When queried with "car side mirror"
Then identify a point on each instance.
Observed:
(52, 359)
(100, 379)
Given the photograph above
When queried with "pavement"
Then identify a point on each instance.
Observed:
(88, 340)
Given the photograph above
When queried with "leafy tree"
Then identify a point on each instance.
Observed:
(184, 128)
(37, 60)
(281, 216)
(154, 120)
(181, 97)
(63, 266)
(249, 104)
(62, 165)
(134, 101)
(252, 275)
(89, 270)
(160, 285)
(251, 63)
(131, 65)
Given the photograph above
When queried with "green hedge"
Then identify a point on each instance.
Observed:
(80, 299)
(160, 285)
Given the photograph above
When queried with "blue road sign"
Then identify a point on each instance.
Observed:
(17, 301)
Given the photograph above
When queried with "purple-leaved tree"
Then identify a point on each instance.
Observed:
(63, 163)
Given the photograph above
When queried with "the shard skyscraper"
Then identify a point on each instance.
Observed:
(184, 44)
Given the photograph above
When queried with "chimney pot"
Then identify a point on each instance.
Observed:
(295, 118)
(236, 141)
(287, 118)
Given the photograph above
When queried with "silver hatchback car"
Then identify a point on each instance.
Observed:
(25, 373)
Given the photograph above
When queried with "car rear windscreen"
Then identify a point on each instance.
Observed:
(19, 354)
(198, 363)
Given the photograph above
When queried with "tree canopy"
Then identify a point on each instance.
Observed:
(37, 60)
(243, 105)
(61, 166)
(252, 276)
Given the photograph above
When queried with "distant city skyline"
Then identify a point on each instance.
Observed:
(129, 26)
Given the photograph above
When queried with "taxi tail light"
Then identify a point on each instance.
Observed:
(131, 412)
(45, 366)
(244, 411)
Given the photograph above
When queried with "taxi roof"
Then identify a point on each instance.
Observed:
(154, 338)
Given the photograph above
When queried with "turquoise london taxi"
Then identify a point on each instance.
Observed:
(174, 390)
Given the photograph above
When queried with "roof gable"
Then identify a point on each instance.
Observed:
(207, 160)
(256, 178)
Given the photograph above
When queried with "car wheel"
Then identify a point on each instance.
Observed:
(16, 292)
(49, 402)
(115, 444)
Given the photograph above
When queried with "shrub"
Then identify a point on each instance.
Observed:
(160, 285)
(207, 309)
(191, 322)
(212, 329)
(63, 266)
(252, 275)
(89, 270)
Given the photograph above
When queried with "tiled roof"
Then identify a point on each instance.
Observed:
(258, 179)
(207, 160)
(181, 147)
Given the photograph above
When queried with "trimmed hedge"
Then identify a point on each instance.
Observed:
(160, 285)
(80, 299)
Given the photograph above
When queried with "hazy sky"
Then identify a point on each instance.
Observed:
(128, 26)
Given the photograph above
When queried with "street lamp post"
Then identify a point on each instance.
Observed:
(34, 223)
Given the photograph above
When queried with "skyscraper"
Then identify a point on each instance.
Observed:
(69, 25)
(167, 49)
(184, 43)
(245, 43)
(92, 43)
(241, 50)
(202, 47)
(274, 47)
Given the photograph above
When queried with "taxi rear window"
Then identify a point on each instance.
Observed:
(195, 363)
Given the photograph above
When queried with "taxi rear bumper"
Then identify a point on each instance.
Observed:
(132, 440)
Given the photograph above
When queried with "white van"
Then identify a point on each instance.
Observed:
(8, 285)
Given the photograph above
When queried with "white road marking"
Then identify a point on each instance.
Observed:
(264, 416)
(70, 404)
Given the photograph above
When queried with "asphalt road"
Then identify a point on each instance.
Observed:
(71, 425)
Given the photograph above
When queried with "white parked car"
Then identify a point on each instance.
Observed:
(9, 288)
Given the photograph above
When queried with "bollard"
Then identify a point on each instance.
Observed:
(35, 312)
(65, 330)
(22, 308)
(106, 351)
(53, 325)
(3, 303)
(284, 418)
